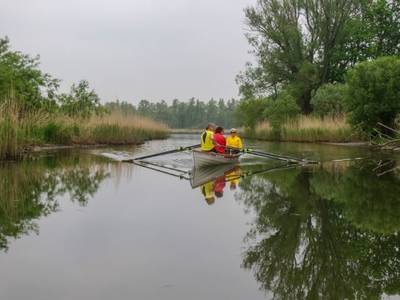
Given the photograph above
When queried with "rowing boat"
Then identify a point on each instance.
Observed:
(202, 158)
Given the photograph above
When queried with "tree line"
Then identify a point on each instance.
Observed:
(305, 52)
(183, 114)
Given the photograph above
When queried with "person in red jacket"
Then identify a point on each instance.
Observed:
(219, 140)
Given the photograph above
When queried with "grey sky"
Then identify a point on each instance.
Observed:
(134, 49)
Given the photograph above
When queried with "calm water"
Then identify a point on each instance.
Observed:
(79, 225)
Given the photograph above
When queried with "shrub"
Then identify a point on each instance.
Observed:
(328, 101)
(373, 93)
(281, 110)
(250, 111)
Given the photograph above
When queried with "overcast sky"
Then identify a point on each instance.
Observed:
(134, 49)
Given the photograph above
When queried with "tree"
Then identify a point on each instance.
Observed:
(280, 110)
(81, 101)
(292, 38)
(328, 100)
(373, 93)
(21, 76)
(372, 31)
(250, 111)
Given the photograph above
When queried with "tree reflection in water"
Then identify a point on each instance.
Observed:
(29, 189)
(326, 233)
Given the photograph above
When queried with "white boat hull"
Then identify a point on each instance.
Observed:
(203, 159)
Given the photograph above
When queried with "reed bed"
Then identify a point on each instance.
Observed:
(308, 129)
(117, 128)
(20, 130)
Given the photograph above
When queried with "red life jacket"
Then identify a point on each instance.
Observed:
(220, 140)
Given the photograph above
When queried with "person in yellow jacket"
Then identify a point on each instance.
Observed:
(207, 138)
(234, 142)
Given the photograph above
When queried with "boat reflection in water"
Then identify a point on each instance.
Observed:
(212, 181)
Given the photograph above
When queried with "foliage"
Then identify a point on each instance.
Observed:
(291, 39)
(81, 102)
(20, 73)
(373, 93)
(280, 110)
(303, 45)
(251, 111)
(328, 100)
(179, 114)
(373, 31)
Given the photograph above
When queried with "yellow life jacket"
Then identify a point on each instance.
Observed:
(207, 140)
(234, 142)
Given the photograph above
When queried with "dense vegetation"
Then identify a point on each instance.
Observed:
(179, 114)
(305, 51)
(33, 112)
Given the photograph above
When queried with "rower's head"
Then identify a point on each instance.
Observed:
(219, 129)
(211, 126)
(219, 194)
(233, 132)
(210, 200)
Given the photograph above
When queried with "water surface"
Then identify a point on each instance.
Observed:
(79, 225)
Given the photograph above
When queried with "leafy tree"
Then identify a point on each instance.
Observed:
(373, 31)
(373, 93)
(21, 76)
(81, 101)
(329, 100)
(250, 111)
(290, 39)
(280, 110)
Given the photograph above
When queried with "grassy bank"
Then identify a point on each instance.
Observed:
(19, 130)
(307, 129)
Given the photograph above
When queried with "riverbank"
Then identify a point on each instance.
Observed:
(307, 130)
(21, 135)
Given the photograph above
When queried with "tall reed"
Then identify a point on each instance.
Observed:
(308, 129)
(20, 129)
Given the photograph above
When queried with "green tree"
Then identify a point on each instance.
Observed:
(250, 111)
(295, 43)
(373, 93)
(280, 110)
(20, 75)
(329, 100)
(372, 32)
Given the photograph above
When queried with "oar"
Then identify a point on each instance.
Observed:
(272, 155)
(277, 156)
(163, 153)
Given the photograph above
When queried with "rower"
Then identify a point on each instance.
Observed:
(234, 142)
(219, 140)
(207, 138)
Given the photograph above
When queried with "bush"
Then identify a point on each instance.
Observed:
(281, 110)
(373, 93)
(250, 111)
(328, 101)
(57, 133)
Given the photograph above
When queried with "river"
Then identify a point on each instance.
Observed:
(78, 224)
